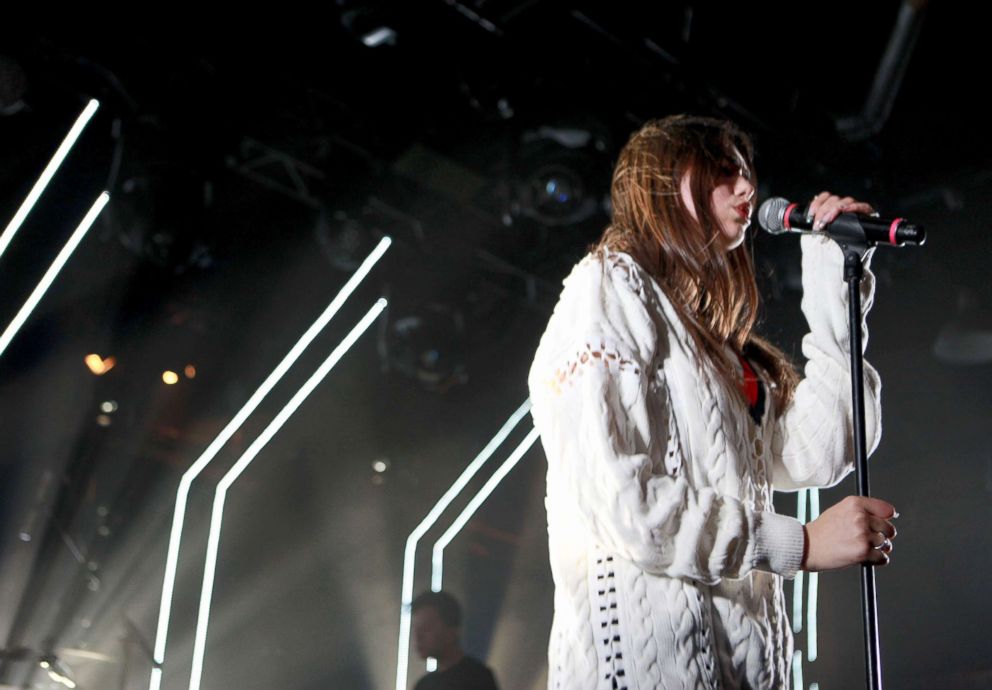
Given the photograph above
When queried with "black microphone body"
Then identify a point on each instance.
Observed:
(778, 215)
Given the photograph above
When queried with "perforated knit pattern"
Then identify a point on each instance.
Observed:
(666, 553)
(590, 355)
(610, 650)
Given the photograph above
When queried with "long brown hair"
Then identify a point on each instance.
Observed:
(714, 289)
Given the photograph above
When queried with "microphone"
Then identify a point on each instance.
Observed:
(778, 216)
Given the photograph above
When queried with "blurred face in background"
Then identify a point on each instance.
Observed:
(432, 636)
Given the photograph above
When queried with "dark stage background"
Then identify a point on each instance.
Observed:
(252, 164)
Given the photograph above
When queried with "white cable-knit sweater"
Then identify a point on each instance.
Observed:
(666, 552)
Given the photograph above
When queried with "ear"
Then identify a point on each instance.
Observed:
(685, 192)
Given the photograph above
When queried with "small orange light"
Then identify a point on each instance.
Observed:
(190, 371)
(96, 364)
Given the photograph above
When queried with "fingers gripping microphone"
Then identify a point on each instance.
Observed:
(778, 215)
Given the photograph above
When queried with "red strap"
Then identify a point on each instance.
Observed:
(749, 386)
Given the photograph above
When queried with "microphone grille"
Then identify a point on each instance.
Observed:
(771, 215)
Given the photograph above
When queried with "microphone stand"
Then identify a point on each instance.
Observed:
(853, 271)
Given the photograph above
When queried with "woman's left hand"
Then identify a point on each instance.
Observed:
(825, 207)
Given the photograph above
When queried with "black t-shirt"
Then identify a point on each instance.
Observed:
(467, 674)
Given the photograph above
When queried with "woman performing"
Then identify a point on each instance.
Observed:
(667, 423)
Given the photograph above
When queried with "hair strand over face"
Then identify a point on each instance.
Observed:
(714, 289)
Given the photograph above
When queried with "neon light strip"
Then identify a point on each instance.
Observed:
(411, 542)
(182, 494)
(437, 561)
(797, 670)
(814, 582)
(47, 174)
(53, 271)
(797, 586)
(217, 516)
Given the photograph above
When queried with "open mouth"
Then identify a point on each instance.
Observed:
(744, 210)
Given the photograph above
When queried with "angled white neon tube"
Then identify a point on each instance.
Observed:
(437, 560)
(217, 516)
(46, 280)
(814, 584)
(182, 494)
(47, 174)
(403, 648)
(797, 584)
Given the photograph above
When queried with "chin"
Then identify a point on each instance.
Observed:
(735, 242)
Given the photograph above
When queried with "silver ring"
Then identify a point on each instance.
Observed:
(886, 545)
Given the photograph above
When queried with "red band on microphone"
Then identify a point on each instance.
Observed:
(892, 230)
(785, 219)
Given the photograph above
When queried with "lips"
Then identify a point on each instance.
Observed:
(744, 210)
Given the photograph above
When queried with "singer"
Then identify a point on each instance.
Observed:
(667, 423)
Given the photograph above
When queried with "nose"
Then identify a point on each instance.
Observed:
(744, 188)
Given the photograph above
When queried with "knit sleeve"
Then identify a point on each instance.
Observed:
(613, 455)
(813, 441)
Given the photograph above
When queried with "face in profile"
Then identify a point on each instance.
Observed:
(431, 635)
(731, 199)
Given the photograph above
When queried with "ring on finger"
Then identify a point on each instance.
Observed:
(886, 545)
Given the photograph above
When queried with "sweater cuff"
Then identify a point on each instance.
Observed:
(778, 544)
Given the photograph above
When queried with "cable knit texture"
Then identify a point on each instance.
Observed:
(666, 552)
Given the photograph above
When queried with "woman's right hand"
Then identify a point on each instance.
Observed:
(856, 530)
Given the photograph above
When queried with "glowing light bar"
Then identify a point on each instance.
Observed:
(437, 560)
(814, 583)
(410, 551)
(797, 586)
(47, 174)
(217, 516)
(797, 670)
(53, 271)
(182, 493)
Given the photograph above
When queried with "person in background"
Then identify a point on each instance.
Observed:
(437, 620)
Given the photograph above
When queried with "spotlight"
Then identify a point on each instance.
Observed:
(190, 371)
(170, 377)
(428, 346)
(556, 169)
(380, 465)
